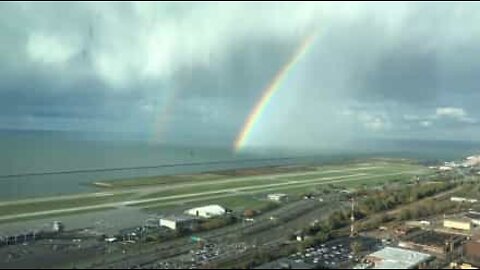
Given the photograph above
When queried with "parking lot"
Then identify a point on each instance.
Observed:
(46, 252)
(334, 254)
(202, 256)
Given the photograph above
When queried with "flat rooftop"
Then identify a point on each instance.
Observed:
(431, 238)
(398, 258)
(473, 215)
(179, 218)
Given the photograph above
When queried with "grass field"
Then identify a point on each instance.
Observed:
(227, 198)
(312, 177)
(207, 176)
(2, 221)
(229, 174)
(236, 203)
(59, 204)
(155, 180)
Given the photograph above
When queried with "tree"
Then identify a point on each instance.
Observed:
(249, 213)
(405, 214)
(356, 247)
(322, 237)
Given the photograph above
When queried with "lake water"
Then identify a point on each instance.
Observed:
(45, 164)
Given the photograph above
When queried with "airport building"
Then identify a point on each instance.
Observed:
(179, 223)
(208, 211)
(445, 168)
(20, 237)
(278, 197)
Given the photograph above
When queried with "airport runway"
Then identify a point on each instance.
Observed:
(198, 196)
(142, 191)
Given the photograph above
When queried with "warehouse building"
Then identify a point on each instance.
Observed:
(465, 200)
(15, 237)
(438, 244)
(472, 161)
(208, 211)
(462, 265)
(397, 258)
(472, 250)
(179, 223)
(278, 197)
(458, 224)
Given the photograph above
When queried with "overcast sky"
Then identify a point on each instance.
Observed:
(191, 72)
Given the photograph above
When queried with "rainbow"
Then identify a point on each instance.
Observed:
(269, 91)
(163, 119)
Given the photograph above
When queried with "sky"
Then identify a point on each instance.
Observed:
(193, 72)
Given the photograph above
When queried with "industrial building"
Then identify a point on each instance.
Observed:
(461, 224)
(398, 258)
(20, 237)
(179, 223)
(464, 265)
(278, 197)
(460, 199)
(472, 251)
(472, 161)
(474, 217)
(445, 168)
(438, 244)
(208, 211)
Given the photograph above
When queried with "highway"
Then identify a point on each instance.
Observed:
(260, 233)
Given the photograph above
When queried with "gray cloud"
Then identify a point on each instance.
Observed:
(374, 70)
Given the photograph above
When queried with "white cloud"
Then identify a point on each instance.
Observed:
(468, 120)
(152, 44)
(411, 117)
(458, 114)
(372, 121)
(142, 40)
(441, 114)
(51, 49)
(375, 124)
(426, 123)
(451, 112)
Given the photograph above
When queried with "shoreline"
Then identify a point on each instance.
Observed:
(92, 188)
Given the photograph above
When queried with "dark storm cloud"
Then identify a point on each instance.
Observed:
(373, 69)
(406, 77)
(237, 80)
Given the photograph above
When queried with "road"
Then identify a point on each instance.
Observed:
(262, 233)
